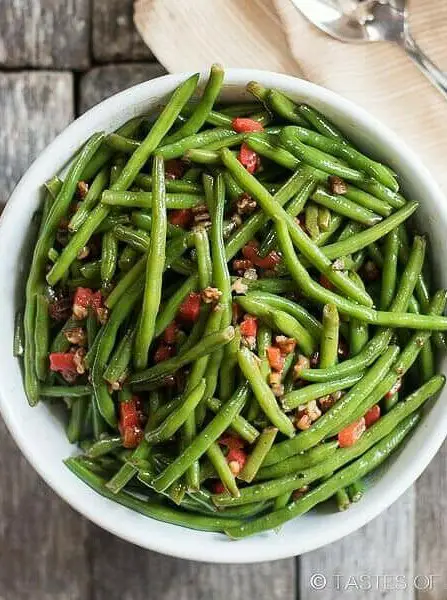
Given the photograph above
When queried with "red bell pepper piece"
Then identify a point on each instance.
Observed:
(170, 333)
(190, 309)
(231, 441)
(218, 487)
(372, 415)
(236, 459)
(276, 360)
(324, 281)
(251, 252)
(130, 422)
(249, 326)
(62, 361)
(182, 217)
(249, 159)
(396, 387)
(163, 352)
(246, 125)
(352, 433)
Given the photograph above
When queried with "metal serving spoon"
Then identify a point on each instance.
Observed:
(371, 21)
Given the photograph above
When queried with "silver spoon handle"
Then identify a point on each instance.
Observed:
(427, 66)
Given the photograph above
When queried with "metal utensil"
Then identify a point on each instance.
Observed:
(371, 21)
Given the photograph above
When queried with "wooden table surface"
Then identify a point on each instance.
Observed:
(58, 58)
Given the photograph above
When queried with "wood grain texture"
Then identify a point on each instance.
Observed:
(35, 107)
(376, 555)
(431, 529)
(45, 33)
(114, 35)
(42, 552)
(125, 572)
(101, 82)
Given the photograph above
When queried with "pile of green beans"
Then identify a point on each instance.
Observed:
(232, 307)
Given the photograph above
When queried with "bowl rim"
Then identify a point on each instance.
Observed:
(267, 547)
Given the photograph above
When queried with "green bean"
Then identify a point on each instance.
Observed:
(121, 358)
(106, 343)
(202, 109)
(175, 420)
(144, 221)
(65, 391)
(282, 500)
(177, 186)
(105, 445)
(368, 236)
(41, 337)
(159, 372)
(203, 440)
(154, 268)
(203, 156)
(204, 262)
(226, 142)
(343, 151)
(367, 200)
(358, 331)
(262, 145)
(112, 221)
(319, 122)
(239, 425)
(154, 509)
(314, 456)
(94, 192)
(294, 207)
(284, 107)
(311, 220)
(91, 270)
(389, 272)
(346, 208)
(222, 468)
(307, 248)
(265, 285)
(363, 465)
(279, 320)
(77, 416)
(198, 140)
(120, 143)
(125, 283)
(356, 490)
(329, 337)
(168, 312)
(145, 199)
(342, 499)
(127, 259)
(44, 243)
(340, 410)
(262, 391)
(256, 458)
(227, 373)
(18, 342)
(324, 218)
(318, 390)
(109, 257)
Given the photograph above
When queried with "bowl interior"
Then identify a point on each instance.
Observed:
(39, 432)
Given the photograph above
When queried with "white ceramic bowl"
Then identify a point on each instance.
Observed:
(39, 433)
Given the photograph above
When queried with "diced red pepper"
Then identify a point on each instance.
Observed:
(231, 441)
(372, 415)
(62, 361)
(251, 252)
(96, 301)
(249, 326)
(246, 125)
(396, 387)
(183, 217)
(130, 422)
(174, 168)
(352, 433)
(236, 312)
(276, 360)
(249, 159)
(163, 352)
(83, 297)
(324, 281)
(218, 487)
(236, 459)
(190, 309)
(170, 333)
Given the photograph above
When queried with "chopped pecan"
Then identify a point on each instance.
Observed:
(83, 253)
(241, 264)
(201, 216)
(76, 336)
(371, 271)
(302, 363)
(60, 308)
(285, 344)
(103, 314)
(79, 360)
(239, 287)
(245, 204)
(82, 189)
(250, 274)
(297, 494)
(337, 185)
(277, 389)
(211, 295)
(303, 422)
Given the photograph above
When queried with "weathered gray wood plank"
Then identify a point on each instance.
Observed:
(431, 529)
(114, 35)
(380, 555)
(42, 552)
(35, 107)
(45, 33)
(101, 82)
(125, 572)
